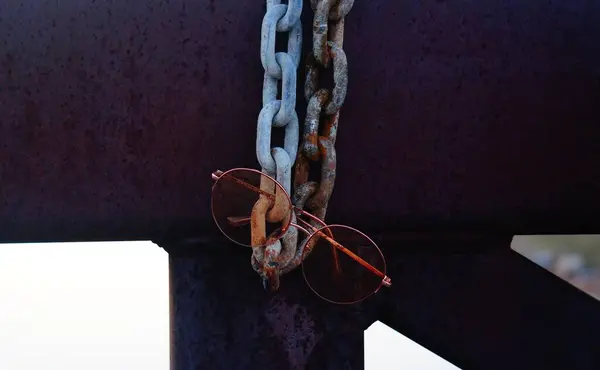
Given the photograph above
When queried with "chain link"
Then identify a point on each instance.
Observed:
(322, 113)
(338, 11)
(281, 113)
(268, 38)
(340, 77)
(322, 116)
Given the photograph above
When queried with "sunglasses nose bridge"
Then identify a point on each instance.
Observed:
(243, 196)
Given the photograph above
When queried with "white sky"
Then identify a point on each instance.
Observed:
(98, 306)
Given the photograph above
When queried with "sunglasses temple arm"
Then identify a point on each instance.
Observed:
(323, 225)
(240, 221)
(217, 175)
(334, 251)
(387, 282)
(352, 255)
(311, 216)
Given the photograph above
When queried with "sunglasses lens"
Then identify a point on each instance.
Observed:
(250, 207)
(333, 274)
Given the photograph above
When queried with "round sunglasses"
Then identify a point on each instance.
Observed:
(339, 263)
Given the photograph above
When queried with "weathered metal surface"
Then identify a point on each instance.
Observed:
(309, 145)
(263, 136)
(469, 115)
(338, 10)
(488, 307)
(323, 107)
(222, 319)
(284, 19)
(484, 308)
(327, 181)
(340, 78)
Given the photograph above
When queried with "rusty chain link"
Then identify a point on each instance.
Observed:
(320, 127)
(277, 162)
(338, 10)
(322, 116)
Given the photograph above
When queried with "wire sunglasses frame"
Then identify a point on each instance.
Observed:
(281, 199)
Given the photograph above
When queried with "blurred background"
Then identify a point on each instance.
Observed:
(575, 258)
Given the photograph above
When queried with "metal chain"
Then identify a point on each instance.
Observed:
(281, 113)
(272, 257)
(277, 257)
(323, 112)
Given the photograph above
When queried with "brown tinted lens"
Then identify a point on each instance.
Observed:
(234, 196)
(334, 275)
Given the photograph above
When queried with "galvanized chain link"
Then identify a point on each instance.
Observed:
(277, 162)
(322, 113)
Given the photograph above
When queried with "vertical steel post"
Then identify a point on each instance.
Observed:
(221, 318)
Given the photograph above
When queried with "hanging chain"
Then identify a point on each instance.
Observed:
(323, 112)
(281, 113)
(320, 126)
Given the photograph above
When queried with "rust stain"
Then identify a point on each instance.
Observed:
(330, 128)
(328, 172)
(310, 146)
(257, 222)
(301, 171)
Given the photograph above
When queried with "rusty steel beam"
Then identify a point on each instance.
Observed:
(486, 307)
(470, 115)
(221, 318)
